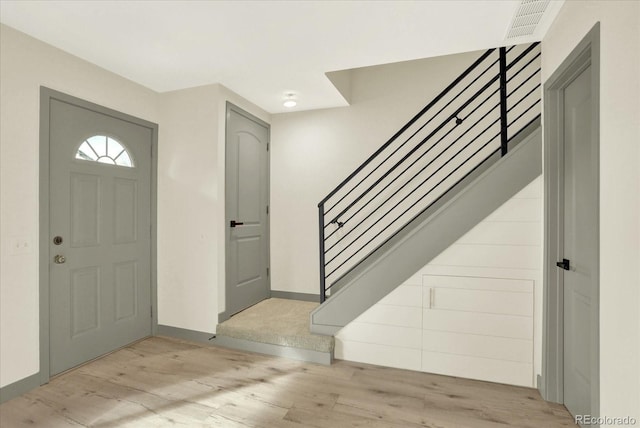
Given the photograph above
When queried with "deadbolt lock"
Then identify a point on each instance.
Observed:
(57, 240)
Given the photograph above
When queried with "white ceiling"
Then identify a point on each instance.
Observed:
(260, 49)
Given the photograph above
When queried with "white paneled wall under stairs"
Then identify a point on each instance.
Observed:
(479, 328)
(472, 312)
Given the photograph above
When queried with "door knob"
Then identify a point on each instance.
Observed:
(234, 223)
(564, 264)
(59, 259)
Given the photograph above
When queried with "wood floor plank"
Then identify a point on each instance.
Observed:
(168, 382)
(332, 419)
(93, 402)
(30, 412)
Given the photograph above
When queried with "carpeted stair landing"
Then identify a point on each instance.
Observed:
(276, 327)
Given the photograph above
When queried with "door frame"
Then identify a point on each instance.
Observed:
(46, 96)
(225, 315)
(586, 53)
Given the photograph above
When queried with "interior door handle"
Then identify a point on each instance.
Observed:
(235, 223)
(564, 264)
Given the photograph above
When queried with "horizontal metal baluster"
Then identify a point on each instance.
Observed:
(524, 112)
(411, 122)
(524, 82)
(522, 55)
(426, 152)
(492, 110)
(537, 117)
(524, 67)
(525, 96)
(407, 210)
(401, 228)
(412, 151)
(405, 197)
(407, 140)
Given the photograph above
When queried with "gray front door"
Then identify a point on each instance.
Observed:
(100, 286)
(247, 200)
(580, 242)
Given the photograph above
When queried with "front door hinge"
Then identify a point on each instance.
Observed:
(267, 146)
(267, 271)
(151, 307)
(267, 209)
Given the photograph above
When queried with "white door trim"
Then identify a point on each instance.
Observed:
(551, 385)
(46, 95)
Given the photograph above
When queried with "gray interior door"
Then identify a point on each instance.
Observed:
(247, 200)
(580, 242)
(100, 286)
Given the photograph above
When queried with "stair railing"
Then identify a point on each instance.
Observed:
(463, 126)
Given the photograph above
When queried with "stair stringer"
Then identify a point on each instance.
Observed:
(471, 201)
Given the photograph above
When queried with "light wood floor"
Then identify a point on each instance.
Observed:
(167, 382)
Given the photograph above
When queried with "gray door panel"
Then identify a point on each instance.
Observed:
(580, 242)
(100, 297)
(247, 188)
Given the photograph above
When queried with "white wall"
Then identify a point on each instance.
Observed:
(187, 205)
(619, 186)
(25, 65)
(503, 252)
(313, 151)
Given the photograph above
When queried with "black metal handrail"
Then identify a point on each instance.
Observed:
(395, 184)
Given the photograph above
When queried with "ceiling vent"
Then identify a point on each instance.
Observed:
(527, 18)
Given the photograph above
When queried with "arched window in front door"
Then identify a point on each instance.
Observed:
(103, 149)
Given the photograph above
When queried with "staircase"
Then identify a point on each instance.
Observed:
(468, 151)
